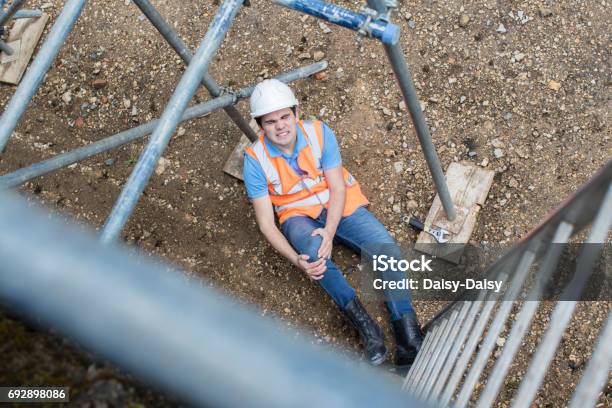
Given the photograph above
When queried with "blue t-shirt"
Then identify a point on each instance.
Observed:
(255, 179)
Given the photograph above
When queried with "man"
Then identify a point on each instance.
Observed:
(295, 170)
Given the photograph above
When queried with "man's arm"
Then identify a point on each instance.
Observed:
(264, 215)
(337, 197)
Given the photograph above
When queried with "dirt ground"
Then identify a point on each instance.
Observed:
(519, 87)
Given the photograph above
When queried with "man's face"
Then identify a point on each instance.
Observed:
(280, 127)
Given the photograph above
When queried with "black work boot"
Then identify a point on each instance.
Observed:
(408, 340)
(371, 334)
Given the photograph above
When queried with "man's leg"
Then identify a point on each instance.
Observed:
(298, 231)
(365, 234)
(362, 232)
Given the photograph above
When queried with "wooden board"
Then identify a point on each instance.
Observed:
(25, 32)
(469, 187)
(233, 165)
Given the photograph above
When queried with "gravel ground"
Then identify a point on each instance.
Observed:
(521, 88)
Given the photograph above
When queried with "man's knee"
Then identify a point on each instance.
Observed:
(311, 247)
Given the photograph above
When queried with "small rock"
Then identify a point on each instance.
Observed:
(464, 19)
(98, 83)
(324, 27)
(501, 29)
(67, 97)
(512, 183)
(554, 85)
(398, 166)
(411, 204)
(321, 76)
(109, 162)
(397, 208)
(318, 55)
(507, 115)
(402, 106)
(79, 122)
(484, 162)
(462, 99)
(519, 56)
(499, 153)
(161, 166)
(181, 131)
(386, 111)
(507, 233)
(389, 152)
(304, 56)
(472, 154)
(501, 340)
(411, 23)
(545, 12)
(134, 111)
(497, 143)
(127, 103)
(287, 310)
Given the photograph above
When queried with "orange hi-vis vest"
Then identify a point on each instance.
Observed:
(292, 194)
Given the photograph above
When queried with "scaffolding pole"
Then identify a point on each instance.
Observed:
(169, 120)
(181, 49)
(36, 73)
(65, 159)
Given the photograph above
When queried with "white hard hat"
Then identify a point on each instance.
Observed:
(271, 95)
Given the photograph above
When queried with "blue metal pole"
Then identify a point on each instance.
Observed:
(378, 28)
(36, 73)
(175, 333)
(12, 9)
(169, 120)
(181, 49)
(65, 159)
(406, 84)
(27, 14)
(5, 48)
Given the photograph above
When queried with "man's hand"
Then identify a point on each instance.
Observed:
(326, 245)
(315, 269)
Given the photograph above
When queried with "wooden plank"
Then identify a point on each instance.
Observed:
(27, 31)
(469, 187)
(233, 165)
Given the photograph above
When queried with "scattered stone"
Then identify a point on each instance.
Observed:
(484, 162)
(304, 56)
(497, 143)
(389, 152)
(519, 56)
(501, 29)
(79, 122)
(402, 106)
(398, 166)
(181, 131)
(318, 55)
(397, 208)
(411, 204)
(545, 12)
(507, 233)
(161, 166)
(134, 111)
(498, 153)
(109, 162)
(507, 115)
(464, 19)
(452, 80)
(324, 27)
(554, 85)
(98, 83)
(411, 23)
(386, 111)
(127, 103)
(462, 99)
(472, 154)
(512, 183)
(67, 97)
(321, 76)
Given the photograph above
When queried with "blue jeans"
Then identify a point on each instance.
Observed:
(360, 231)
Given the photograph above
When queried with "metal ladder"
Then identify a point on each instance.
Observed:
(461, 338)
